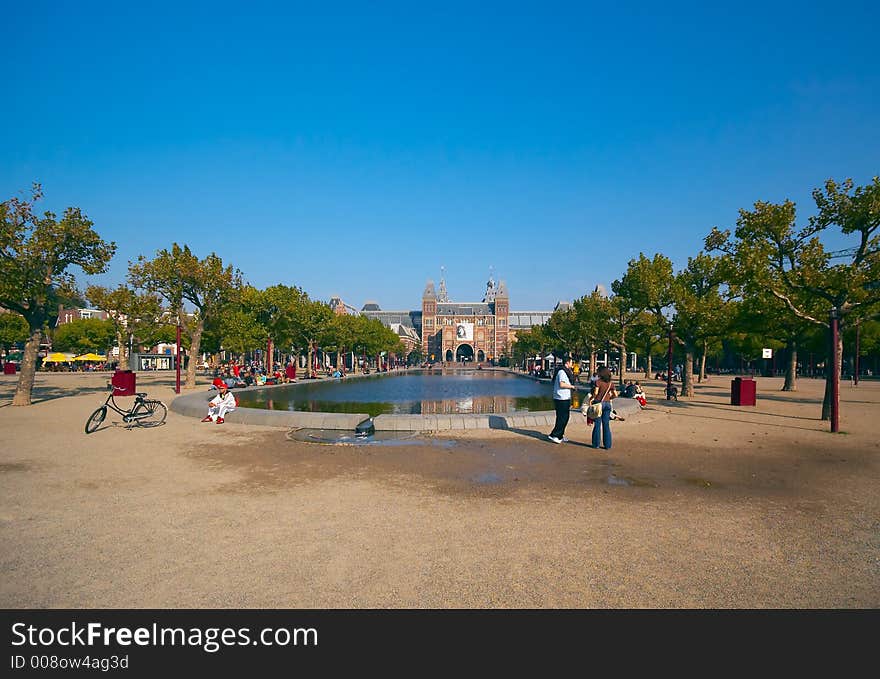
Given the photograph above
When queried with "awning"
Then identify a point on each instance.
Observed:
(58, 357)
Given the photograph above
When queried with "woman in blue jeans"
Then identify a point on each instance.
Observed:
(603, 392)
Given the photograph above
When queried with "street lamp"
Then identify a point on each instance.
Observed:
(669, 365)
(835, 371)
(177, 383)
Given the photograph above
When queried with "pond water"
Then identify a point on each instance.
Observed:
(420, 393)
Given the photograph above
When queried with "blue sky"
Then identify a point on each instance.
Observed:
(355, 149)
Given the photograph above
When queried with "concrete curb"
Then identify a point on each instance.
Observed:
(196, 405)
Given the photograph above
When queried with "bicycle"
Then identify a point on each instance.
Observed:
(144, 412)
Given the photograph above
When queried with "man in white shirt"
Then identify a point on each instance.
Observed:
(562, 387)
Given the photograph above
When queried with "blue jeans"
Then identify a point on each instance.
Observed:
(605, 423)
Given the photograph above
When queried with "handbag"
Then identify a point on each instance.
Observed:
(594, 410)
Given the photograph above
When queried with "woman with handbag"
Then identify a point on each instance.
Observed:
(602, 394)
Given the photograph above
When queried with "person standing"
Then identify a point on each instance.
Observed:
(562, 386)
(603, 392)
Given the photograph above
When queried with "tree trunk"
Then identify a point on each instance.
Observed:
(622, 357)
(648, 367)
(687, 377)
(195, 342)
(309, 356)
(702, 377)
(592, 361)
(791, 368)
(28, 369)
(829, 377)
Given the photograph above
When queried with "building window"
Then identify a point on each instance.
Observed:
(501, 322)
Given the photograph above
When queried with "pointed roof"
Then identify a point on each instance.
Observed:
(429, 292)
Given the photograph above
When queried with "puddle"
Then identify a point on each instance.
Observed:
(336, 437)
(614, 480)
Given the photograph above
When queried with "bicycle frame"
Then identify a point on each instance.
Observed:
(129, 415)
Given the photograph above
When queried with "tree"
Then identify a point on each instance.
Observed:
(593, 314)
(241, 331)
(180, 277)
(562, 328)
(36, 252)
(13, 330)
(309, 321)
(800, 268)
(647, 285)
(763, 315)
(84, 335)
(648, 335)
(701, 312)
(137, 318)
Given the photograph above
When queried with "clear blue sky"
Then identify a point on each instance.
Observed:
(354, 149)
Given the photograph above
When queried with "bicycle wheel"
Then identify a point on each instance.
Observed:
(96, 419)
(152, 413)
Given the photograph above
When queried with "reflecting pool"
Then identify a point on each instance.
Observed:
(419, 393)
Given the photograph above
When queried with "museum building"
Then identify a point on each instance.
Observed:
(456, 331)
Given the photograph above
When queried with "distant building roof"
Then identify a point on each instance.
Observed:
(465, 309)
(411, 319)
(370, 306)
(522, 320)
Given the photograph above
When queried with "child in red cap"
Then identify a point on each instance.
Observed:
(224, 402)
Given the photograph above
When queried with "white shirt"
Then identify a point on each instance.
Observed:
(228, 400)
(561, 386)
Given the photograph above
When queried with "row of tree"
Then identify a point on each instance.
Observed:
(769, 280)
(205, 297)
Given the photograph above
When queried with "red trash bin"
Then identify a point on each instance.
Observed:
(743, 392)
(123, 382)
(9, 368)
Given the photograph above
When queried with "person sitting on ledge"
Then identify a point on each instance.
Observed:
(224, 402)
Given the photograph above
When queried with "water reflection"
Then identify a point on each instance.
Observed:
(411, 394)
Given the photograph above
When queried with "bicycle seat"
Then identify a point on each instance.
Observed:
(142, 394)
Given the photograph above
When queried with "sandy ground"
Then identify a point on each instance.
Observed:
(699, 504)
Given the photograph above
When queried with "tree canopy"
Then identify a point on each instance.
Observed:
(180, 276)
(36, 254)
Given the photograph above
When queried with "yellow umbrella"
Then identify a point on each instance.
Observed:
(58, 357)
(90, 357)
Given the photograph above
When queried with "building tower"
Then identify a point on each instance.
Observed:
(502, 318)
(429, 324)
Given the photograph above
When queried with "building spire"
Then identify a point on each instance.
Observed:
(491, 289)
(441, 295)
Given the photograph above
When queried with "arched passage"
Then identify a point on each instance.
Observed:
(481, 356)
(465, 352)
(449, 354)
